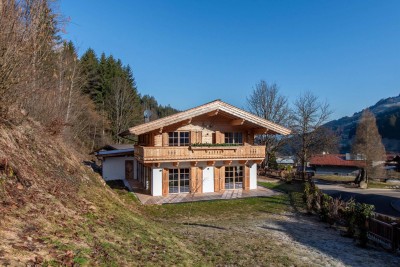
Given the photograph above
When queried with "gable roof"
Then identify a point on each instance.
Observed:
(216, 105)
(335, 160)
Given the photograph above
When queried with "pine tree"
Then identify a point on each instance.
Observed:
(89, 68)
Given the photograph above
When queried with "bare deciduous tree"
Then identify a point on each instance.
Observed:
(309, 135)
(368, 142)
(122, 103)
(266, 102)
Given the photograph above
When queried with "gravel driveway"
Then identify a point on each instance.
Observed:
(316, 244)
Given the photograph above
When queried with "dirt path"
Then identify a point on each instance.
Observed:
(315, 244)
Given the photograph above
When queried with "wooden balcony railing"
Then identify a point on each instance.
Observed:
(165, 154)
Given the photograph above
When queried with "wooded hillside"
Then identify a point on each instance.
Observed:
(87, 100)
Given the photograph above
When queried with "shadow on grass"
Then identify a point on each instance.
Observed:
(117, 184)
(92, 164)
(313, 234)
(205, 225)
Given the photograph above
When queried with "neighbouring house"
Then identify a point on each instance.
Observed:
(208, 148)
(117, 162)
(336, 164)
(285, 161)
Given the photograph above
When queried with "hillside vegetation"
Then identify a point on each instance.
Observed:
(387, 113)
(56, 211)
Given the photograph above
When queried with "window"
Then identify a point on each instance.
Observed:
(233, 138)
(178, 138)
(233, 177)
(179, 181)
(143, 139)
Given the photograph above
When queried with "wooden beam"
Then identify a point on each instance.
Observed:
(193, 163)
(244, 162)
(213, 113)
(175, 164)
(261, 131)
(227, 162)
(237, 122)
(210, 163)
(157, 165)
(258, 161)
(187, 122)
(160, 131)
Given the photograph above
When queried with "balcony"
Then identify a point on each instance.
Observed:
(212, 153)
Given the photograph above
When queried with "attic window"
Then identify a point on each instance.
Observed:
(179, 138)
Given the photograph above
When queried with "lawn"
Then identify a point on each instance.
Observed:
(376, 184)
(236, 209)
(335, 178)
(227, 232)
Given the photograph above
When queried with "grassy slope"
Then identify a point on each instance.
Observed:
(55, 210)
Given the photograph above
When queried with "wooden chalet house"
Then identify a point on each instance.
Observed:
(208, 148)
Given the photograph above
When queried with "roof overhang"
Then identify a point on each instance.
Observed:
(217, 107)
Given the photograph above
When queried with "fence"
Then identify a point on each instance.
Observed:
(385, 231)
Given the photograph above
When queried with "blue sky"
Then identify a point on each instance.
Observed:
(186, 53)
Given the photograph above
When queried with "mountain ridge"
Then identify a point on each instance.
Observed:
(387, 113)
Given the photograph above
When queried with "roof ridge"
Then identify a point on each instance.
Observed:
(202, 109)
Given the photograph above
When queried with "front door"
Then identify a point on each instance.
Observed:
(128, 169)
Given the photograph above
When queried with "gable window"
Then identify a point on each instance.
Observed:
(178, 138)
(233, 138)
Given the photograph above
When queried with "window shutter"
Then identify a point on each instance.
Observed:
(246, 184)
(216, 179)
(193, 180)
(199, 180)
(165, 182)
(221, 138)
(217, 137)
(222, 178)
(165, 139)
(193, 137)
(199, 137)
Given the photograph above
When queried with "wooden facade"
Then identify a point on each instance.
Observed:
(212, 146)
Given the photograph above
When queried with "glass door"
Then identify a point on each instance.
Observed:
(233, 177)
(179, 181)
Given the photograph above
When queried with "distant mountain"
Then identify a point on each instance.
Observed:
(387, 113)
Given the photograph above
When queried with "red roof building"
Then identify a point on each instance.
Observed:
(335, 160)
(335, 164)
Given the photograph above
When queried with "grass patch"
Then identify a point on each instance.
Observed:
(225, 232)
(335, 178)
(233, 209)
(380, 185)
(217, 210)
(293, 190)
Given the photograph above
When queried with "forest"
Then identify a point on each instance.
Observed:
(85, 99)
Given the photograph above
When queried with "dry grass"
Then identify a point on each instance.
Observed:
(55, 211)
(226, 232)
(335, 178)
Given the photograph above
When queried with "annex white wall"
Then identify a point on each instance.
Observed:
(114, 168)
(156, 182)
(253, 176)
(208, 179)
